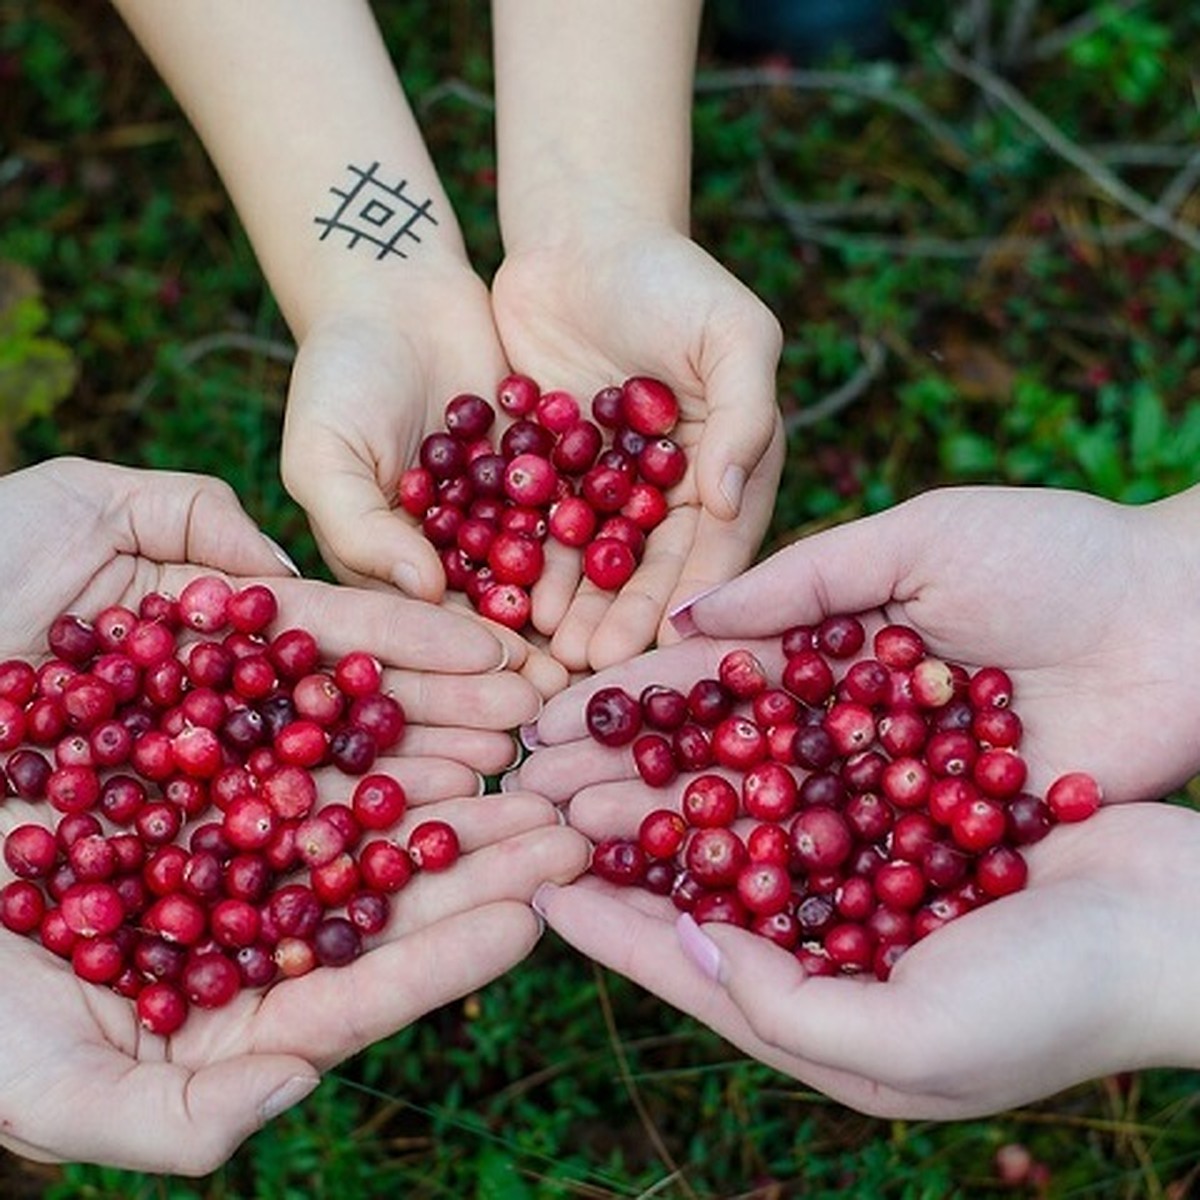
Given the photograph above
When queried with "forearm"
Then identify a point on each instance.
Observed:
(593, 109)
(295, 100)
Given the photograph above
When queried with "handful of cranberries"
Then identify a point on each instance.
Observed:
(189, 857)
(844, 811)
(594, 483)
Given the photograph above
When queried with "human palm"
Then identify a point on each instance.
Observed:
(83, 1081)
(646, 300)
(1083, 973)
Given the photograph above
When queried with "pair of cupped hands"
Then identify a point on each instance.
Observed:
(1089, 606)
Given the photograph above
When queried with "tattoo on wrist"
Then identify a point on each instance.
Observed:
(381, 215)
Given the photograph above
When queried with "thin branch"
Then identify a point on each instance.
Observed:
(660, 1147)
(1057, 40)
(456, 89)
(1016, 32)
(874, 358)
(215, 343)
(849, 82)
(1104, 179)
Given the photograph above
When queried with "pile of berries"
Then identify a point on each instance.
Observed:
(845, 811)
(189, 857)
(596, 484)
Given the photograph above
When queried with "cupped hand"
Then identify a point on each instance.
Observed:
(83, 1082)
(371, 380)
(1088, 604)
(83, 535)
(1084, 973)
(626, 299)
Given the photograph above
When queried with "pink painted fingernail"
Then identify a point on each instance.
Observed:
(699, 947)
(541, 898)
(681, 618)
(529, 736)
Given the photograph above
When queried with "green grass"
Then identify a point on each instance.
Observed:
(965, 298)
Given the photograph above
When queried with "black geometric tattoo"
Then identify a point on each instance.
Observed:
(370, 211)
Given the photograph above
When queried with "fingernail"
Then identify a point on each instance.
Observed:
(505, 659)
(405, 577)
(733, 483)
(699, 947)
(681, 618)
(281, 554)
(508, 781)
(286, 1095)
(518, 756)
(529, 736)
(480, 784)
(541, 898)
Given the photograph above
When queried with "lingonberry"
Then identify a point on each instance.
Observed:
(204, 603)
(1001, 870)
(385, 866)
(577, 447)
(608, 563)
(517, 395)
(433, 845)
(663, 707)
(531, 480)
(769, 792)
(210, 980)
(572, 521)
(821, 838)
(898, 647)
(808, 677)
(613, 717)
(22, 906)
(714, 857)
(709, 801)
(468, 417)
(654, 759)
(30, 851)
(507, 604)
(1073, 797)
(336, 942)
(692, 748)
(619, 860)
(661, 833)
(662, 462)
(648, 406)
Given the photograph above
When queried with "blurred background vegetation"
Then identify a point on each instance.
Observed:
(979, 226)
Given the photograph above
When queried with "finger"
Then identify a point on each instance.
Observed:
(852, 568)
(450, 941)
(424, 778)
(400, 632)
(558, 772)
(480, 822)
(743, 416)
(484, 751)
(553, 593)
(175, 517)
(353, 518)
(496, 700)
(721, 549)
(339, 1012)
(503, 869)
(163, 1117)
(628, 626)
(569, 644)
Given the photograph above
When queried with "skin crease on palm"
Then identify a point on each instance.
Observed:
(81, 1081)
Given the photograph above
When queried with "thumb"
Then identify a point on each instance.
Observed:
(848, 569)
(361, 536)
(743, 415)
(163, 1117)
